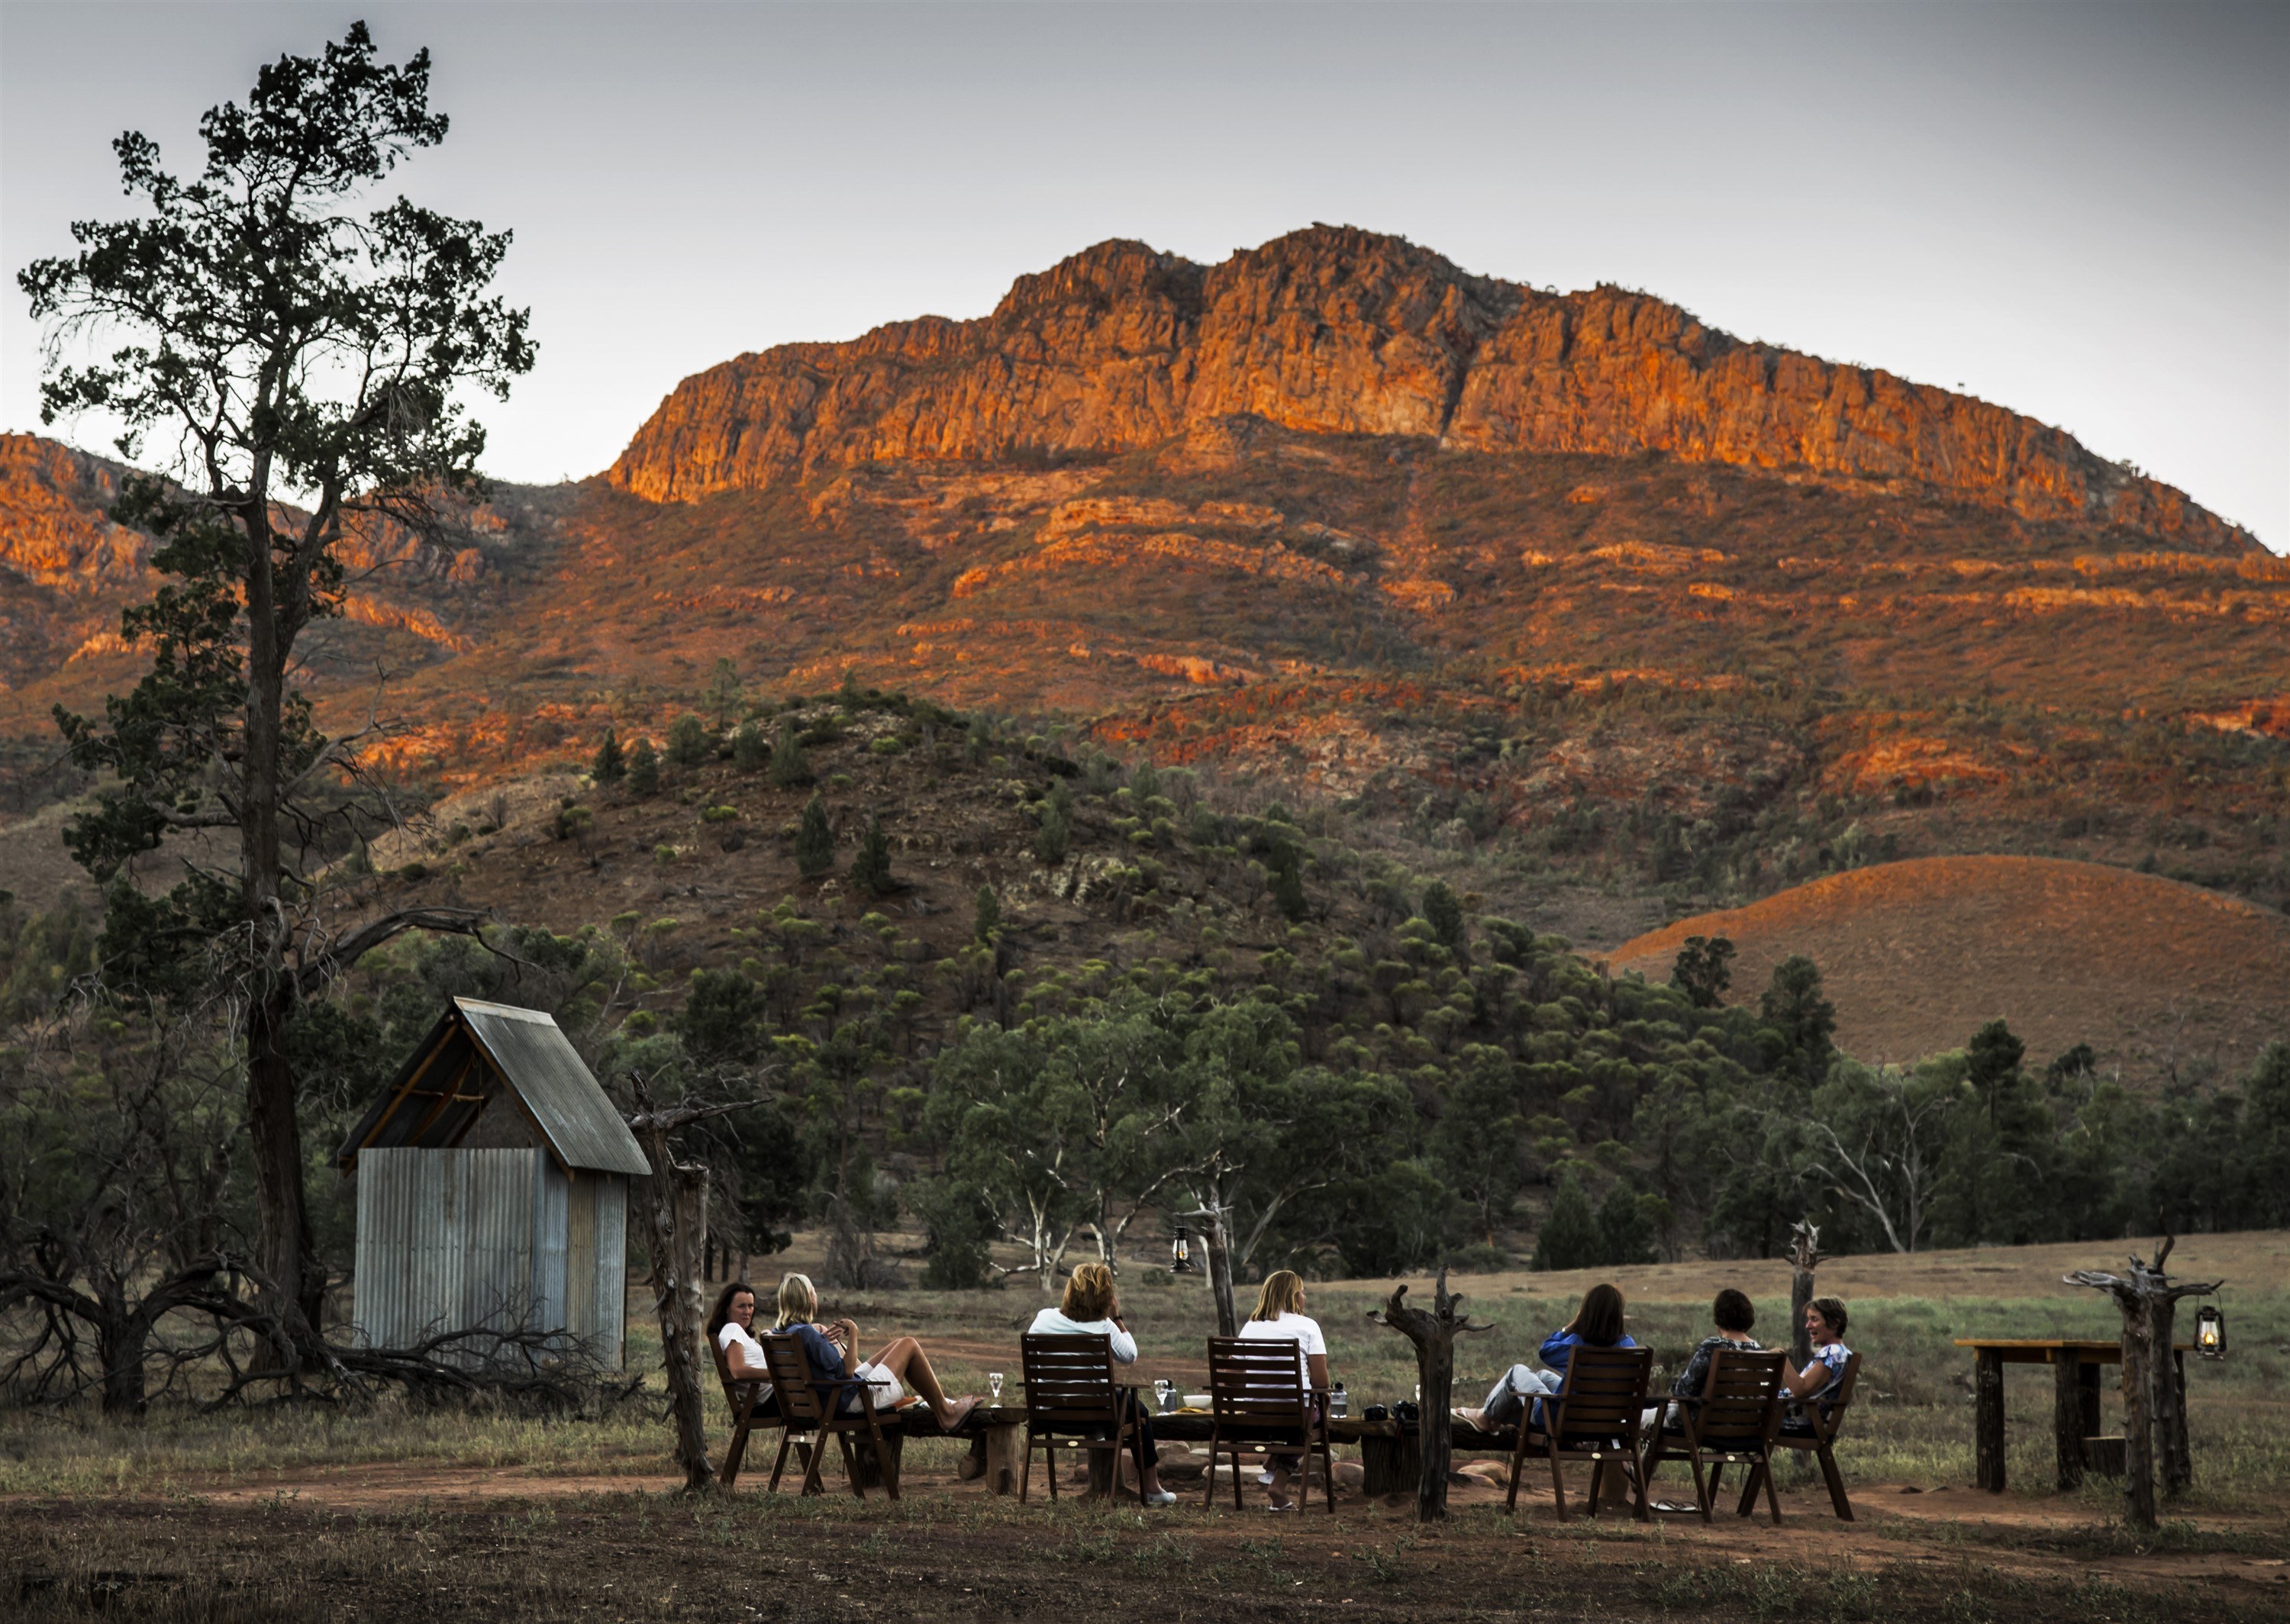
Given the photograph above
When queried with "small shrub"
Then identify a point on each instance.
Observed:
(644, 769)
(687, 741)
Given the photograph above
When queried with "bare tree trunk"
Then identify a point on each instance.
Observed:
(283, 1249)
(2154, 1406)
(675, 1211)
(1804, 1257)
(1434, 1335)
(1216, 1240)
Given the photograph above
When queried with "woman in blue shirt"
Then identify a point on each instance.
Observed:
(1597, 1323)
(830, 1347)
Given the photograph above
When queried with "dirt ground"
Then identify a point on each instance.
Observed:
(400, 1540)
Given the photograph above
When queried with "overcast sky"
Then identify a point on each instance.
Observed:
(2080, 210)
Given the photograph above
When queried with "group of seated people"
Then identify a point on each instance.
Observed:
(1090, 1306)
(1598, 1324)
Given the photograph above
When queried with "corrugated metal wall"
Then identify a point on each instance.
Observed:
(448, 1238)
(610, 1313)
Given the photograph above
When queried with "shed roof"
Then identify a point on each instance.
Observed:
(525, 1049)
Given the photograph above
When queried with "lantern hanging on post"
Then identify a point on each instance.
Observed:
(1180, 1255)
(2210, 1333)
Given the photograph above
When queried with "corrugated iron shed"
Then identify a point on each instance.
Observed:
(476, 1051)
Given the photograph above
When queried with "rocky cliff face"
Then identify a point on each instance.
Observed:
(1339, 330)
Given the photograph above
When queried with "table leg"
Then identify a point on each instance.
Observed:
(1987, 1419)
(2067, 1416)
(993, 1453)
(1379, 1466)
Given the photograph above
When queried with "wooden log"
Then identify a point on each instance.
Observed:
(2067, 1416)
(1003, 1445)
(1987, 1419)
(871, 1469)
(1805, 1258)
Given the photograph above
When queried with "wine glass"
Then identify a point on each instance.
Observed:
(1162, 1389)
(994, 1385)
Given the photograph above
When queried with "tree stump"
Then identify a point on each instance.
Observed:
(1434, 1335)
(2154, 1378)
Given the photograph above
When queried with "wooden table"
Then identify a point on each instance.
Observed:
(2074, 1403)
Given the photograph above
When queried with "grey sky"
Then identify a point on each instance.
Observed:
(2080, 210)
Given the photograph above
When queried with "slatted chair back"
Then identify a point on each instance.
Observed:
(1741, 1398)
(1258, 1395)
(1070, 1395)
(794, 1382)
(1603, 1395)
(1257, 1384)
(803, 1410)
(1069, 1385)
(1595, 1416)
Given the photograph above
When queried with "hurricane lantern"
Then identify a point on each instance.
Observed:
(1180, 1255)
(2210, 1333)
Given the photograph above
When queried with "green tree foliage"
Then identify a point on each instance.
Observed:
(749, 749)
(1284, 874)
(1055, 836)
(1444, 913)
(790, 769)
(1627, 1226)
(286, 347)
(986, 921)
(814, 841)
(1477, 1141)
(644, 769)
(723, 1019)
(1704, 970)
(1796, 1009)
(870, 865)
(610, 767)
(688, 744)
(1570, 1231)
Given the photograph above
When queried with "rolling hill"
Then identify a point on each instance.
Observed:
(2163, 980)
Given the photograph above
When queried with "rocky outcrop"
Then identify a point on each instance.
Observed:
(52, 528)
(1334, 330)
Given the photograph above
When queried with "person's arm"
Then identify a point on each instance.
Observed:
(1317, 1364)
(744, 1365)
(1125, 1346)
(1811, 1379)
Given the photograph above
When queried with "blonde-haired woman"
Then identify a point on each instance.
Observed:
(1090, 1307)
(1280, 1317)
(829, 1348)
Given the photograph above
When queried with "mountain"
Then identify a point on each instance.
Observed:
(1337, 330)
(1608, 615)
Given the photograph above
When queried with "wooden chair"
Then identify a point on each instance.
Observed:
(741, 1397)
(1257, 1395)
(1594, 1416)
(1735, 1420)
(796, 1388)
(1071, 1397)
(1816, 1428)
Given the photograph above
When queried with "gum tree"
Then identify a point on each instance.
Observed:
(293, 358)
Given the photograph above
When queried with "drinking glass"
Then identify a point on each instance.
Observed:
(994, 1385)
(1161, 1391)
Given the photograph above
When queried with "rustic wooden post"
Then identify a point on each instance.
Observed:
(2154, 1398)
(2067, 1416)
(1988, 1419)
(1804, 1257)
(1434, 1335)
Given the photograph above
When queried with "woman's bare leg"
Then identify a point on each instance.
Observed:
(904, 1358)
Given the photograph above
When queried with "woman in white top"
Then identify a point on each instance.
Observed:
(1280, 1317)
(1089, 1307)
